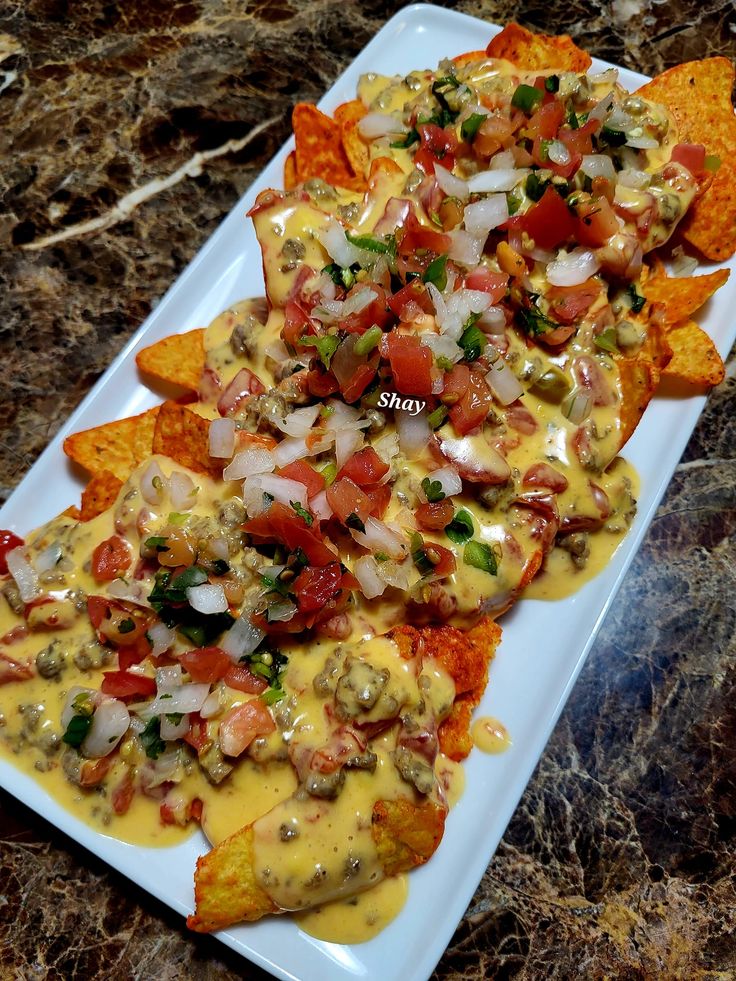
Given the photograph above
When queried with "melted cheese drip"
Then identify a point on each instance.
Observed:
(490, 735)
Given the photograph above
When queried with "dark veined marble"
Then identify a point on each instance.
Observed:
(619, 862)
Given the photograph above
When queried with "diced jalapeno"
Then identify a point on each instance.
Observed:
(552, 386)
(526, 98)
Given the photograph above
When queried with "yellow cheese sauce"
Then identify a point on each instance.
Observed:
(358, 918)
(490, 735)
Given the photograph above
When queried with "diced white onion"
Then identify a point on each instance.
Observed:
(291, 449)
(450, 184)
(68, 711)
(452, 311)
(185, 698)
(609, 75)
(168, 677)
(375, 124)
(573, 269)
(222, 437)
(496, 180)
(414, 432)
(320, 506)
(442, 346)
(281, 612)
(153, 494)
(503, 383)
(577, 407)
(130, 590)
(642, 143)
(394, 573)
(598, 165)
(482, 216)
(219, 548)
(365, 571)
(173, 730)
(620, 119)
(332, 237)
(250, 461)
(558, 153)
(109, 724)
(24, 574)
(48, 559)
(211, 705)
(492, 320)
(683, 265)
(359, 301)
(160, 771)
(603, 108)
(387, 447)
(207, 598)
(347, 442)
(300, 421)
(282, 489)
(241, 639)
(450, 480)
(161, 638)
(182, 490)
(630, 177)
(378, 537)
(277, 350)
(503, 160)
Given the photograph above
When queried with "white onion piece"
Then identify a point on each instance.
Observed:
(241, 639)
(450, 184)
(299, 422)
(378, 537)
(503, 160)
(631, 177)
(577, 407)
(248, 462)
(281, 612)
(182, 490)
(332, 237)
(365, 571)
(450, 480)
(414, 432)
(347, 442)
(503, 383)
(160, 771)
(222, 437)
(174, 730)
(573, 269)
(598, 165)
(207, 598)
(375, 124)
(387, 447)
(168, 677)
(482, 216)
(620, 119)
(442, 346)
(394, 574)
(277, 350)
(219, 548)
(342, 416)
(161, 638)
(683, 265)
(24, 574)
(153, 493)
(132, 591)
(328, 312)
(49, 558)
(109, 724)
(603, 108)
(211, 705)
(452, 312)
(185, 698)
(558, 153)
(496, 180)
(609, 75)
(291, 449)
(358, 301)
(282, 489)
(320, 506)
(492, 320)
(642, 143)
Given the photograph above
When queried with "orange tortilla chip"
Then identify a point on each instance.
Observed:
(72, 512)
(178, 360)
(319, 149)
(695, 359)
(347, 117)
(698, 95)
(638, 380)
(468, 57)
(538, 52)
(681, 296)
(225, 887)
(116, 446)
(291, 179)
(406, 834)
(99, 494)
(183, 435)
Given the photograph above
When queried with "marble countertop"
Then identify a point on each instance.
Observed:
(620, 859)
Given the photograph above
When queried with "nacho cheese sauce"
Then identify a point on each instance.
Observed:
(420, 422)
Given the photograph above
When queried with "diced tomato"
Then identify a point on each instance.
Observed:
(97, 608)
(543, 475)
(315, 587)
(241, 678)
(438, 146)
(302, 472)
(488, 281)
(131, 654)
(244, 385)
(541, 158)
(446, 564)
(195, 809)
(206, 664)
(365, 468)
(377, 311)
(110, 559)
(568, 304)
(282, 524)
(380, 497)
(360, 380)
(549, 221)
(596, 222)
(435, 516)
(322, 383)
(197, 737)
(579, 141)
(470, 411)
(93, 772)
(456, 383)
(496, 131)
(591, 377)
(411, 364)
(125, 685)
(12, 670)
(546, 120)
(242, 724)
(122, 793)
(346, 498)
(417, 237)
(414, 293)
(8, 541)
(296, 323)
(690, 155)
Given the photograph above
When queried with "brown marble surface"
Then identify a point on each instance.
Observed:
(619, 862)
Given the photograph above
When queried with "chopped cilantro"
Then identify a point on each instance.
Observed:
(372, 244)
(480, 555)
(514, 202)
(157, 542)
(151, 738)
(419, 554)
(436, 272)
(411, 137)
(303, 513)
(472, 340)
(534, 321)
(341, 275)
(606, 340)
(460, 529)
(535, 186)
(79, 726)
(432, 490)
(712, 162)
(635, 299)
(552, 83)
(169, 599)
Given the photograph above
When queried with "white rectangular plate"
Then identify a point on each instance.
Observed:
(546, 642)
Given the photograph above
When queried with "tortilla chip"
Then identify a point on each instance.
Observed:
(347, 117)
(468, 58)
(99, 494)
(72, 512)
(291, 178)
(695, 358)
(178, 360)
(698, 95)
(116, 446)
(533, 52)
(183, 435)
(638, 380)
(406, 834)
(225, 887)
(680, 296)
(319, 149)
